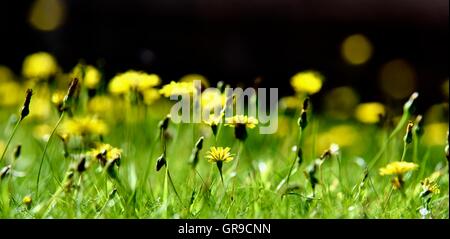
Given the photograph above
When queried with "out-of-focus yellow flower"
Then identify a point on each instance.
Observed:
(40, 108)
(398, 79)
(340, 102)
(435, 134)
(193, 77)
(219, 154)
(398, 168)
(133, 81)
(290, 103)
(106, 153)
(249, 122)
(42, 132)
(178, 88)
(88, 75)
(342, 135)
(10, 93)
(430, 185)
(83, 126)
(58, 97)
(27, 200)
(309, 82)
(369, 113)
(100, 105)
(6, 74)
(40, 65)
(356, 49)
(150, 96)
(212, 99)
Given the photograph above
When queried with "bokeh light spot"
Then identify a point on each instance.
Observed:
(356, 49)
(398, 79)
(341, 102)
(47, 15)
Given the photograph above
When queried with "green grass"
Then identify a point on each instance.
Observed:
(264, 162)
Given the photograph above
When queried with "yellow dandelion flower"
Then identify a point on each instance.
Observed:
(150, 96)
(219, 154)
(369, 113)
(430, 185)
(249, 122)
(178, 88)
(10, 93)
(40, 65)
(83, 126)
(212, 99)
(309, 82)
(398, 168)
(194, 77)
(106, 153)
(133, 80)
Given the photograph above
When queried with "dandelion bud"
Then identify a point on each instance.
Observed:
(240, 132)
(408, 135)
(17, 151)
(410, 105)
(72, 88)
(164, 124)
(27, 201)
(70, 93)
(418, 127)
(4, 171)
(26, 105)
(221, 86)
(199, 144)
(214, 129)
(302, 120)
(81, 167)
(68, 180)
(306, 103)
(299, 156)
(160, 162)
(325, 154)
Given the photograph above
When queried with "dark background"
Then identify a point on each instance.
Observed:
(238, 41)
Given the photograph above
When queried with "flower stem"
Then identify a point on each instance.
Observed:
(405, 147)
(10, 138)
(45, 150)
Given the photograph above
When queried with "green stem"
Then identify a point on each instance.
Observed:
(165, 192)
(415, 148)
(45, 150)
(295, 157)
(405, 147)
(10, 138)
(241, 144)
(401, 124)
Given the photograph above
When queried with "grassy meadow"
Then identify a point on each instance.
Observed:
(105, 148)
